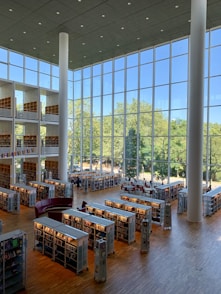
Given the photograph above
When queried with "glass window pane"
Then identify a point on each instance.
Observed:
(162, 72)
(161, 98)
(16, 59)
(16, 74)
(118, 125)
(146, 99)
(55, 83)
(55, 70)
(119, 81)
(146, 56)
(178, 63)
(119, 63)
(178, 122)
(215, 91)
(132, 78)
(3, 71)
(178, 96)
(162, 52)
(146, 123)
(70, 90)
(44, 67)
(107, 66)
(107, 125)
(215, 37)
(215, 117)
(107, 83)
(86, 88)
(3, 55)
(107, 105)
(215, 66)
(44, 81)
(146, 75)
(77, 75)
(97, 86)
(161, 123)
(96, 69)
(179, 47)
(119, 103)
(31, 77)
(97, 106)
(132, 60)
(87, 107)
(77, 90)
(86, 72)
(31, 63)
(131, 106)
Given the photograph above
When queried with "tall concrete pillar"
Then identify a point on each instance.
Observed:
(195, 114)
(63, 106)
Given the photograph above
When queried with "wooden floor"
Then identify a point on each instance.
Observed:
(185, 259)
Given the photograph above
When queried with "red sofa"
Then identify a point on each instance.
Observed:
(43, 206)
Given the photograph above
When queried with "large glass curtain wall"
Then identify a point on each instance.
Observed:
(129, 114)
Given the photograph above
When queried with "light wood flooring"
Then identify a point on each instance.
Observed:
(185, 259)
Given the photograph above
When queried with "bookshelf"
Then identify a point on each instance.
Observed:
(62, 189)
(62, 243)
(158, 205)
(141, 211)
(5, 175)
(43, 190)
(96, 227)
(27, 194)
(124, 220)
(13, 261)
(9, 200)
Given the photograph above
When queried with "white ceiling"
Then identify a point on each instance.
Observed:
(95, 27)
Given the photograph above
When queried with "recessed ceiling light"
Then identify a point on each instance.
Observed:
(10, 10)
(82, 25)
(161, 30)
(129, 3)
(189, 20)
(39, 23)
(54, 55)
(70, 61)
(85, 56)
(48, 42)
(147, 18)
(24, 32)
(83, 43)
(176, 6)
(57, 12)
(118, 45)
(100, 51)
(138, 38)
(11, 39)
(103, 15)
(101, 36)
(122, 28)
(34, 48)
(79, 0)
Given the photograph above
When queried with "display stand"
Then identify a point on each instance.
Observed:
(100, 268)
(145, 236)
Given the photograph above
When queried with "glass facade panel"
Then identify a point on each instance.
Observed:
(3, 71)
(146, 75)
(162, 52)
(97, 86)
(162, 98)
(44, 80)
(31, 63)
(3, 55)
(178, 96)
(119, 81)
(16, 74)
(107, 84)
(162, 72)
(146, 56)
(31, 77)
(107, 105)
(215, 66)
(16, 59)
(77, 90)
(44, 67)
(179, 68)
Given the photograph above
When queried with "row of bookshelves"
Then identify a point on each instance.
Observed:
(9, 200)
(6, 103)
(124, 220)
(62, 243)
(96, 227)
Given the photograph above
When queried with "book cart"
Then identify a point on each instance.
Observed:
(12, 261)
(142, 211)
(64, 244)
(27, 194)
(124, 220)
(62, 189)
(43, 190)
(9, 200)
(96, 227)
(211, 201)
(158, 206)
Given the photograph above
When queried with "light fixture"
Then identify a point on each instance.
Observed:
(147, 18)
(176, 6)
(103, 15)
(24, 32)
(10, 10)
(101, 36)
(129, 3)
(34, 48)
(11, 39)
(138, 38)
(39, 23)
(57, 12)
(48, 42)
(83, 43)
(122, 28)
(82, 25)
(161, 30)
(118, 45)
(100, 51)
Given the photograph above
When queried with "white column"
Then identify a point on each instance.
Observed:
(195, 114)
(63, 106)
